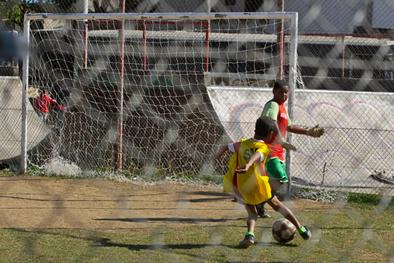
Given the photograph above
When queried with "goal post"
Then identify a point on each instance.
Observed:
(25, 85)
(151, 71)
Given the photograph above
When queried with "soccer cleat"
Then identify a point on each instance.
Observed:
(247, 242)
(261, 211)
(305, 232)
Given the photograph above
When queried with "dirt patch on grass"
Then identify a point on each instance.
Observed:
(41, 202)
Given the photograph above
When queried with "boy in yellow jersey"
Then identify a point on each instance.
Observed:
(247, 180)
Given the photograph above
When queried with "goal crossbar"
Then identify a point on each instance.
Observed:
(147, 16)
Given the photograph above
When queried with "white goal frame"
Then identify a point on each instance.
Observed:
(291, 16)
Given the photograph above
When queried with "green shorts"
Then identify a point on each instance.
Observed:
(276, 169)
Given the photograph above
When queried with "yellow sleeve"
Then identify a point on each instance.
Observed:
(264, 151)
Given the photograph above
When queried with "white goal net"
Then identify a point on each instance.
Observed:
(132, 87)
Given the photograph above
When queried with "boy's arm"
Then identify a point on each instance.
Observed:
(281, 141)
(231, 147)
(222, 150)
(60, 107)
(256, 158)
(271, 110)
(313, 132)
(51, 100)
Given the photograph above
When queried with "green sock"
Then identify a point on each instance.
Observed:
(249, 233)
(302, 229)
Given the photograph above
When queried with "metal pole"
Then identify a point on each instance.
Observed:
(85, 35)
(140, 16)
(119, 156)
(207, 31)
(25, 84)
(343, 58)
(281, 40)
(292, 87)
(145, 61)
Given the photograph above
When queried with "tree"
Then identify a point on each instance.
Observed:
(14, 10)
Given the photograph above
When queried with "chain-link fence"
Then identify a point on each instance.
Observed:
(169, 108)
(356, 150)
(188, 87)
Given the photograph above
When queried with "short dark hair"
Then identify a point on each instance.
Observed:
(264, 125)
(279, 84)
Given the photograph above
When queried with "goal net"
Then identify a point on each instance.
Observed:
(132, 88)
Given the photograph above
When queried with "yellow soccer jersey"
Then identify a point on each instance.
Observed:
(253, 186)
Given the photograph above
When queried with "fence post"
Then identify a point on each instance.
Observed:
(292, 88)
(25, 85)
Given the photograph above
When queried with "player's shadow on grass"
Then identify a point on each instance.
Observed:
(274, 244)
(203, 200)
(217, 196)
(210, 193)
(54, 199)
(168, 219)
(106, 242)
(263, 245)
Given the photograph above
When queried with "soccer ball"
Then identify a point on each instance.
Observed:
(283, 230)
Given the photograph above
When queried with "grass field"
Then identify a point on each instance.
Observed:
(81, 220)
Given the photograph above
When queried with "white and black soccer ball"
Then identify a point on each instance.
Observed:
(283, 230)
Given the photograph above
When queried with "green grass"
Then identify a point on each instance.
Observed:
(338, 238)
(343, 234)
(359, 230)
(361, 198)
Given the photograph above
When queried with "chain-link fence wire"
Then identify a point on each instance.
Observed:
(355, 152)
(205, 132)
(170, 121)
(171, 110)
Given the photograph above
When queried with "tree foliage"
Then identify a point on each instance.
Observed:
(15, 10)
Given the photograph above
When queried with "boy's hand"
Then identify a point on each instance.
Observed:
(222, 150)
(288, 146)
(315, 131)
(241, 170)
(60, 107)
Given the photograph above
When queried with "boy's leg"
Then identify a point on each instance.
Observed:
(288, 214)
(47, 117)
(251, 224)
(275, 185)
(276, 170)
(41, 115)
(261, 211)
